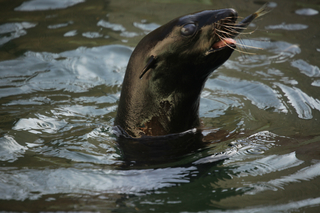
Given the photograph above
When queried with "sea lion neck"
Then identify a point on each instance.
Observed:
(167, 72)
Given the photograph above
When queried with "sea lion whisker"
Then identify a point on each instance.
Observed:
(239, 45)
(242, 48)
(222, 39)
(227, 17)
(246, 33)
(231, 18)
(249, 46)
(228, 31)
(230, 23)
(225, 32)
(232, 31)
(234, 27)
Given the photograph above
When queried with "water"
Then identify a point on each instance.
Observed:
(61, 70)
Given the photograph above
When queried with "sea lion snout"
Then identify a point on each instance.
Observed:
(229, 15)
(232, 15)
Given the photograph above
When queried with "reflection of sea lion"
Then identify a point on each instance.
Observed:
(168, 69)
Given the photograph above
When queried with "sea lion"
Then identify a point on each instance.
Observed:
(168, 69)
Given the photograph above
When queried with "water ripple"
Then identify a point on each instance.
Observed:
(306, 68)
(267, 98)
(302, 103)
(76, 70)
(307, 12)
(11, 31)
(242, 149)
(10, 150)
(20, 184)
(295, 206)
(148, 27)
(40, 124)
(34, 5)
(285, 26)
(267, 165)
(305, 174)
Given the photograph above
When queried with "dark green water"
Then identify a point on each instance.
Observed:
(61, 70)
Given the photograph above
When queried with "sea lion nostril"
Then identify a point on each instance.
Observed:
(233, 14)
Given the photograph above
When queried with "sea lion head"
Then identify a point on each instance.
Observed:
(168, 69)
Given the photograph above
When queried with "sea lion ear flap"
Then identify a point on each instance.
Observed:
(150, 63)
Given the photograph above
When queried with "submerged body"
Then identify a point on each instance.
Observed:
(168, 69)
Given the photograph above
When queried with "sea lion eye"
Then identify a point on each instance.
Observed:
(188, 29)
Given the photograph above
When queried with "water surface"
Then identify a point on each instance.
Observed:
(61, 68)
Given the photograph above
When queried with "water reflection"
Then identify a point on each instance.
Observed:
(285, 26)
(99, 180)
(306, 68)
(70, 33)
(11, 31)
(56, 26)
(70, 70)
(292, 206)
(148, 27)
(302, 103)
(92, 35)
(56, 181)
(307, 12)
(44, 123)
(114, 27)
(59, 94)
(34, 5)
(304, 174)
(10, 150)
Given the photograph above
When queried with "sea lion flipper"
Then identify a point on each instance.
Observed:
(150, 63)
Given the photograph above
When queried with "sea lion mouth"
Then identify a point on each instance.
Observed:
(223, 33)
(222, 44)
(226, 30)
